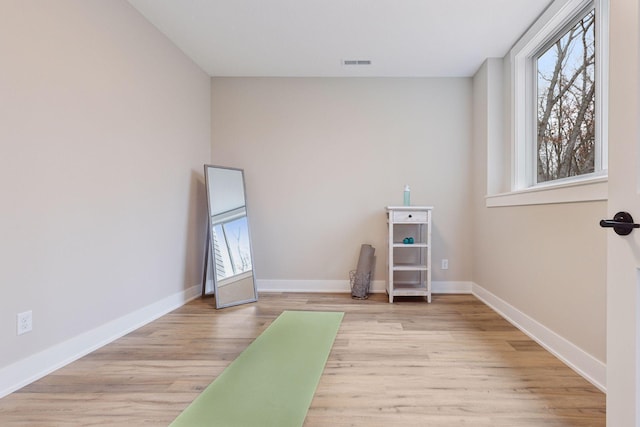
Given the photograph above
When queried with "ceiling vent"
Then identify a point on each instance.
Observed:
(356, 62)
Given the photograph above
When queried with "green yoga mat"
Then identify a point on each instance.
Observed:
(273, 380)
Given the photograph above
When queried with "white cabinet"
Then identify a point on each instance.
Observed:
(409, 260)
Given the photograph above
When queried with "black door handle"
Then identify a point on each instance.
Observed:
(622, 223)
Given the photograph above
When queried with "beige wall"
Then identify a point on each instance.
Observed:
(324, 156)
(105, 128)
(548, 261)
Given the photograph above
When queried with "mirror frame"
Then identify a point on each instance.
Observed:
(209, 260)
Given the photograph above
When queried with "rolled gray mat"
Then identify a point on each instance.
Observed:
(363, 270)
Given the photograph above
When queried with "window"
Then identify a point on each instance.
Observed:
(559, 98)
(565, 104)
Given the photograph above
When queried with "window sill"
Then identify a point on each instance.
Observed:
(596, 189)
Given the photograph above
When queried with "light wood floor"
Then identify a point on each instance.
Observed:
(450, 363)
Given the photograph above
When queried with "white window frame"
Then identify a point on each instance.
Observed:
(524, 117)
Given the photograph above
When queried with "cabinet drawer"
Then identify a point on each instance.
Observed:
(409, 216)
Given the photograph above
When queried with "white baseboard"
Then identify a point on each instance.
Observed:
(342, 286)
(587, 366)
(32, 368)
(329, 286)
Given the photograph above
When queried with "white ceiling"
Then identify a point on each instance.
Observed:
(402, 38)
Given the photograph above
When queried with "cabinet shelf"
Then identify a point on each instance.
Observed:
(409, 264)
(409, 267)
(410, 289)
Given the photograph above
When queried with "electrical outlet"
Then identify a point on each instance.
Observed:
(445, 264)
(25, 322)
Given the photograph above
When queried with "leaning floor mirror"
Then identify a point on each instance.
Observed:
(228, 268)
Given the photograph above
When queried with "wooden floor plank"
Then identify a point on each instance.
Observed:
(450, 363)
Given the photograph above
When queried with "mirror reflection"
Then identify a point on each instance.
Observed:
(229, 257)
(231, 241)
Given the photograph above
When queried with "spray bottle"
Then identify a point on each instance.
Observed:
(407, 195)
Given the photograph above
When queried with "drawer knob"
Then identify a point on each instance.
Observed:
(410, 216)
